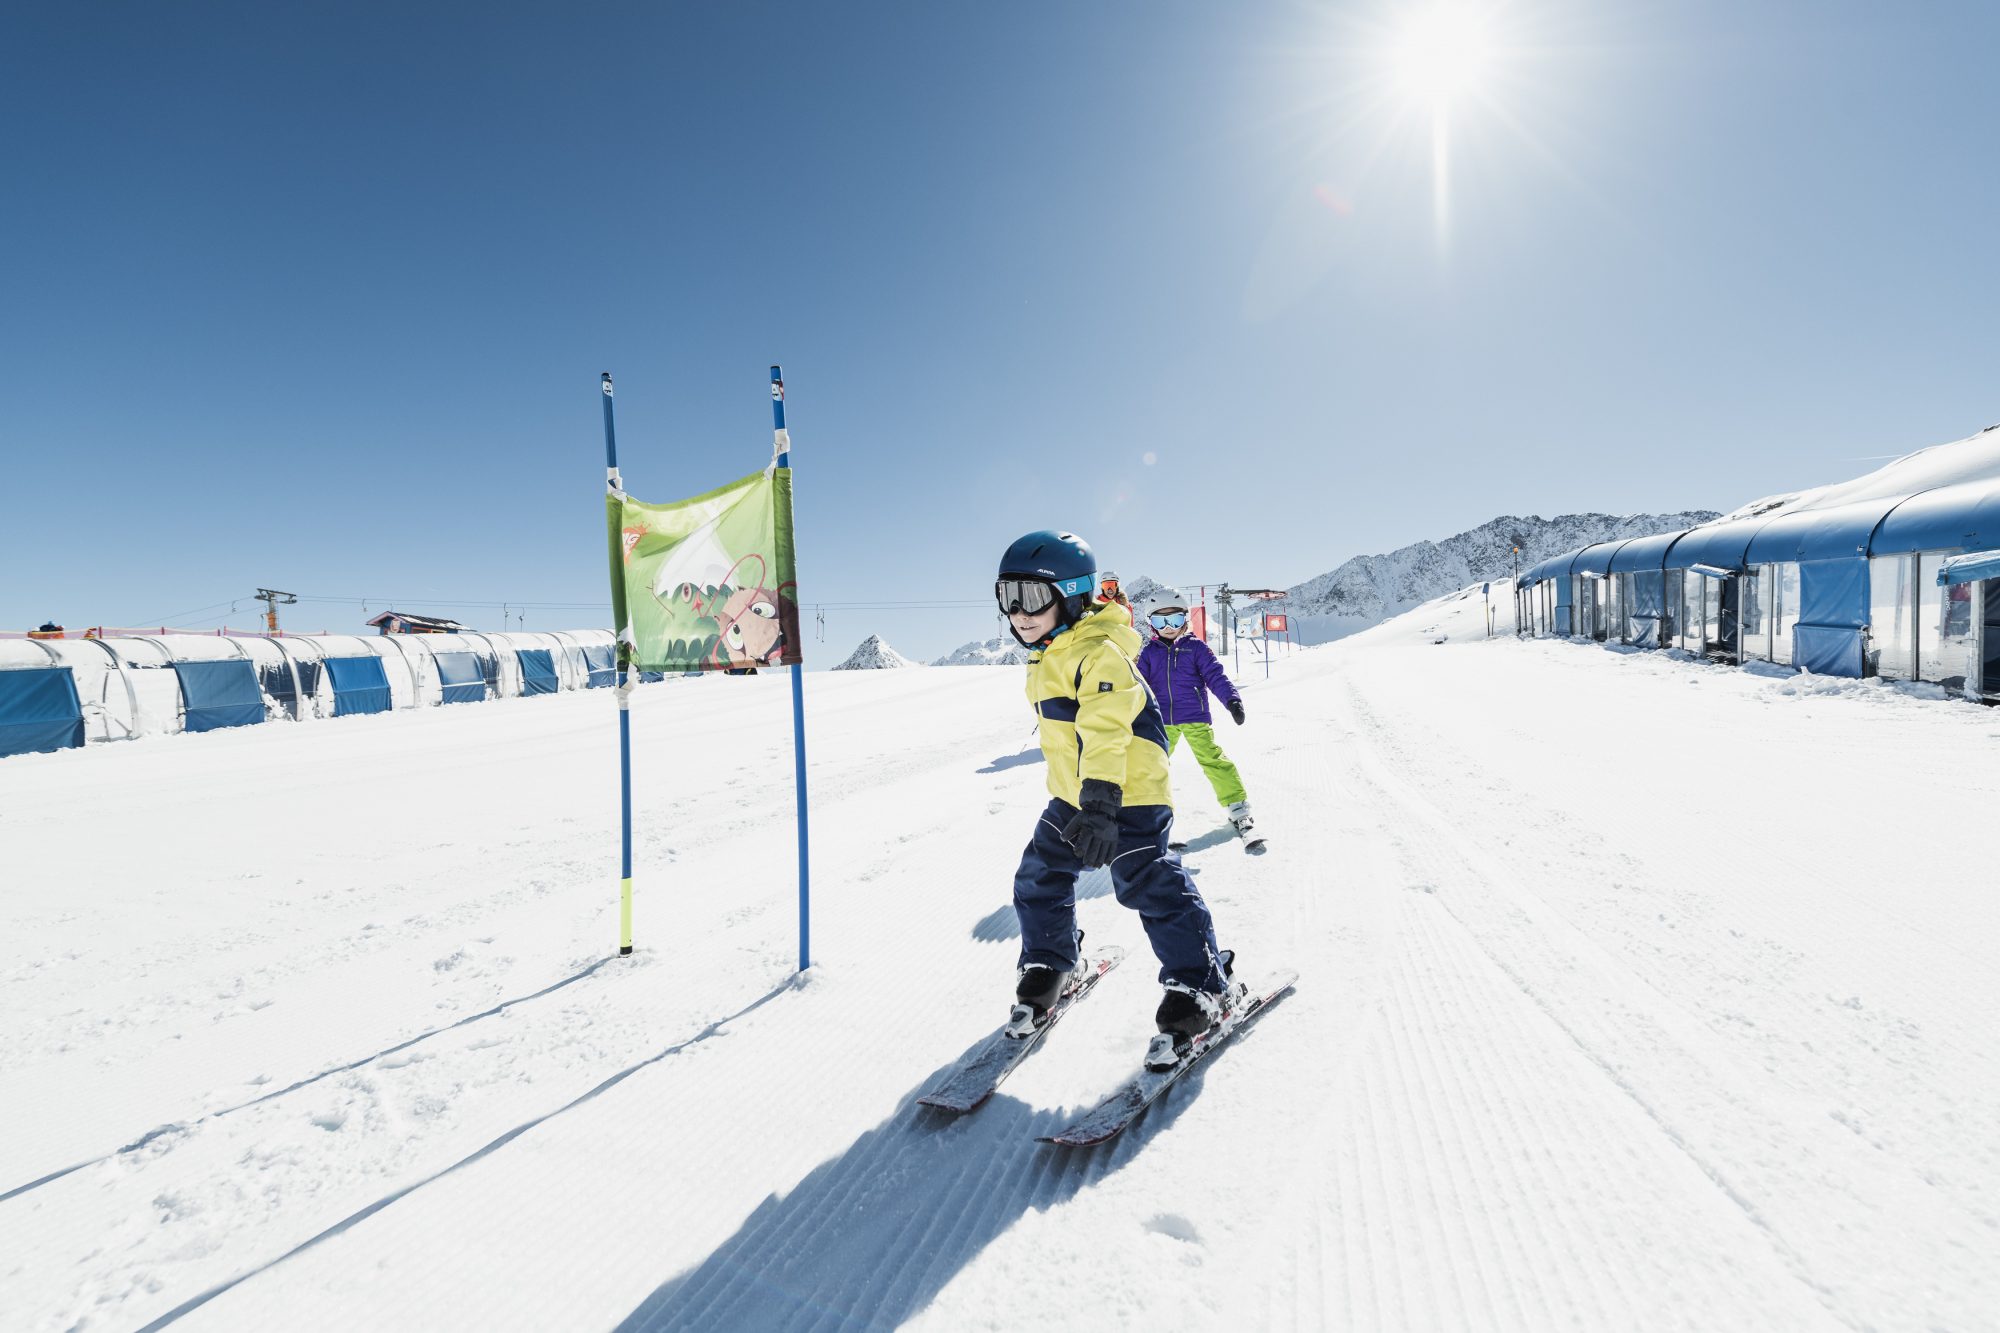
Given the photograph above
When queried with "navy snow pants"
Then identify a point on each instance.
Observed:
(1145, 876)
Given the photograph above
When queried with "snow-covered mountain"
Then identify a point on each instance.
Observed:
(1371, 588)
(992, 652)
(1138, 588)
(874, 655)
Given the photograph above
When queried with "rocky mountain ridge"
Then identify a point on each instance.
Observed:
(992, 652)
(1368, 589)
(1371, 588)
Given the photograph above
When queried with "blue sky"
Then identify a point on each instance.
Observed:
(315, 297)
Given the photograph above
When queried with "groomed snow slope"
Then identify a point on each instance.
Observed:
(1636, 994)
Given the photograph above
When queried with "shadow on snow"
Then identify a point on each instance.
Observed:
(1007, 761)
(1002, 924)
(180, 1126)
(713, 1029)
(872, 1236)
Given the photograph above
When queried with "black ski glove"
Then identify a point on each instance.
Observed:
(1235, 707)
(1093, 834)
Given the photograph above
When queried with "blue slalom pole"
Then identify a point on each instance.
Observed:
(615, 487)
(782, 440)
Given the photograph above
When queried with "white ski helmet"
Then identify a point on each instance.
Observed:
(1166, 599)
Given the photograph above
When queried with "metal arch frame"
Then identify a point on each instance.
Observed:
(421, 676)
(576, 644)
(132, 729)
(292, 665)
(326, 677)
(485, 637)
(403, 654)
(271, 639)
(244, 654)
(168, 653)
(555, 657)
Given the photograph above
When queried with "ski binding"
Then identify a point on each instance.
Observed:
(968, 1084)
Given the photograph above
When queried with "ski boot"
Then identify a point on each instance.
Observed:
(1245, 826)
(1036, 991)
(1186, 1014)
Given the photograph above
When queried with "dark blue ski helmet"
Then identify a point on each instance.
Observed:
(1061, 559)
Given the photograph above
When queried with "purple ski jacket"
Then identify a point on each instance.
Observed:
(1181, 674)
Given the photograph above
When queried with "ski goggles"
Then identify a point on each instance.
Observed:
(1034, 596)
(1169, 619)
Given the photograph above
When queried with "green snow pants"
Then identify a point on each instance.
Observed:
(1221, 773)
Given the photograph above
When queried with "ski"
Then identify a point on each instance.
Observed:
(1110, 1116)
(970, 1082)
(1253, 844)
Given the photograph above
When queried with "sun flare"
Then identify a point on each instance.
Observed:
(1441, 62)
(1441, 55)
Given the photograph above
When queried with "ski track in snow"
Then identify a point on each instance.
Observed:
(328, 1037)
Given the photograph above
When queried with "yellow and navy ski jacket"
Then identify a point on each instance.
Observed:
(1098, 719)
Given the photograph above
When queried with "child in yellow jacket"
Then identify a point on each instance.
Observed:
(1110, 802)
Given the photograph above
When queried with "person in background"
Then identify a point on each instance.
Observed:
(1182, 671)
(1109, 591)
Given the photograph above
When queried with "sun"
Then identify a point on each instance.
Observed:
(1441, 61)
(1440, 56)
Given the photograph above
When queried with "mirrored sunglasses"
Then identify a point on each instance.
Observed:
(1026, 596)
(1169, 619)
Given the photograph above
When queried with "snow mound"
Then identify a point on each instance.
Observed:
(1975, 458)
(1459, 618)
(874, 655)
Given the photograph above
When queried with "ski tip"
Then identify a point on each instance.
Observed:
(1281, 984)
(1256, 848)
(946, 1104)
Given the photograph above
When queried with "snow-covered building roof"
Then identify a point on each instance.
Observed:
(402, 622)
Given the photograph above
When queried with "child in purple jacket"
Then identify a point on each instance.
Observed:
(1183, 672)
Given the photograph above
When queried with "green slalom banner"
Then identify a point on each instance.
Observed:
(708, 584)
